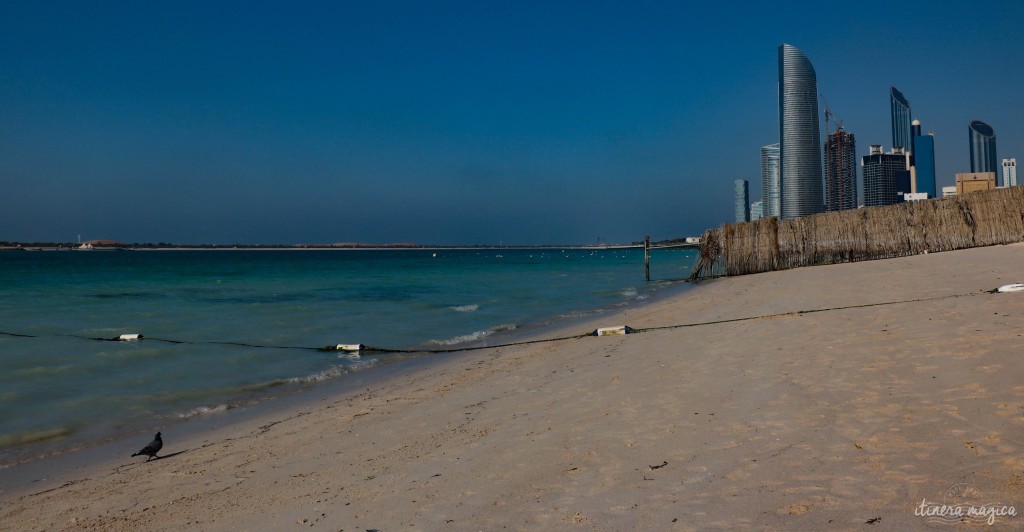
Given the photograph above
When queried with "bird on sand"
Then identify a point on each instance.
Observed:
(151, 449)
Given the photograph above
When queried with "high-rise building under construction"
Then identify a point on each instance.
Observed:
(840, 171)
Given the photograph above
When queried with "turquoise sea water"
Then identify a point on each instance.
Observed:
(60, 388)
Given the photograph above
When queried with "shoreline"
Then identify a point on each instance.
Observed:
(51, 471)
(809, 398)
(475, 330)
(385, 364)
(241, 408)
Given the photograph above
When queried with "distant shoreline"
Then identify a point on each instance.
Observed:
(74, 247)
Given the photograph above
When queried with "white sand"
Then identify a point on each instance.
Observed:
(794, 421)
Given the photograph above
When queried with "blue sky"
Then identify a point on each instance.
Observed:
(454, 122)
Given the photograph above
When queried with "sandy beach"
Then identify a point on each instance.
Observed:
(842, 396)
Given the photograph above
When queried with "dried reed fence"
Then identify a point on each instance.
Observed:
(975, 219)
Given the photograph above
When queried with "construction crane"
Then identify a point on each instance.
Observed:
(838, 162)
(829, 113)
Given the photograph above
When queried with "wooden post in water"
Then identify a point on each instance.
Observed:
(647, 257)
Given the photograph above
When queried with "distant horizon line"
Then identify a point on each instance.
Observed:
(114, 244)
(32, 246)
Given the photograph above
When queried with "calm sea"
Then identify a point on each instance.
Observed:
(61, 388)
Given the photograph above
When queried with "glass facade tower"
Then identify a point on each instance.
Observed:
(799, 135)
(771, 176)
(924, 163)
(880, 176)
(840, 171)
(900, 108)
(741, 191)
(983, 148)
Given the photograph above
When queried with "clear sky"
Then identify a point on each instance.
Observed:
(448, 122)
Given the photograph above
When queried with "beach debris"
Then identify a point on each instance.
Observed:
(873, 520)
(133, 337)
(153, 448)
(1016, 287)
(613, 331)
(663, 464)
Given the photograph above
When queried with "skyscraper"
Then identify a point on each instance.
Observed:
(924, 161)
(900, 109)
(1009, 172)
(741, 191)
(879, 172)
(840, 171)
(756, 210)
(983, 147)
(771, 176)
(799, 135)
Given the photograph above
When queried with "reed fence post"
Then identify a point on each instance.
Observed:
(647, 257)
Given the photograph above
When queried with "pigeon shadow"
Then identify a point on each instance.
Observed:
(172, 455)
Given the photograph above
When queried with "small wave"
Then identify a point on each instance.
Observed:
(465, 308)
(629, 292)
(33, 436)
(472, 337)
(205, 410)
(333, 372)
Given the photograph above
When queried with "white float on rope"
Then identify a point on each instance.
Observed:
(613, 331)
(1017, 287)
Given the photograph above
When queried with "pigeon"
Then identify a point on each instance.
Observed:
(151, 449)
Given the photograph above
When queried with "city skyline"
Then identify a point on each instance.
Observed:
(460, 124)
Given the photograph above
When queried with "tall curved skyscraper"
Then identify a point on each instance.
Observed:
(799, 136)
(983, 148)
(901, 125)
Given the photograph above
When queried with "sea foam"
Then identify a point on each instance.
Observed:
(474, 336)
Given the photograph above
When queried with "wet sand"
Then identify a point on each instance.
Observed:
(820, 397)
